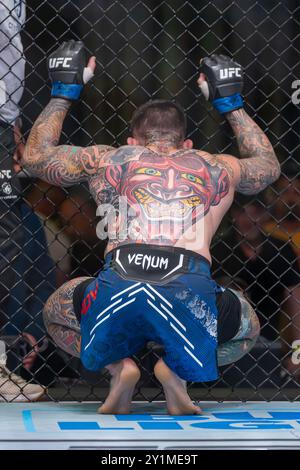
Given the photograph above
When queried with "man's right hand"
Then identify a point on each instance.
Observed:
(221, 82)
(68, 70)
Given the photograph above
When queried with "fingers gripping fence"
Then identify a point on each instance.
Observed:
(145, 50)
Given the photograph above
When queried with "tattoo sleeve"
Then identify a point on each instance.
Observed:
(259, 166)
(65, 165)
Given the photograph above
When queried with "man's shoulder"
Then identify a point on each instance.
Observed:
(197, 153)
(130, 149)
(123, 154)
(220, 161)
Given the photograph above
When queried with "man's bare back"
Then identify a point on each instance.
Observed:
(175, 198)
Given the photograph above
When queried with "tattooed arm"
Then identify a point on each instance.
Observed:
(259, 166)
(65, 165)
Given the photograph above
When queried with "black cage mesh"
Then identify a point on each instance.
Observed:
(151, 49)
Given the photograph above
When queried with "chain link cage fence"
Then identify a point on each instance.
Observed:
(145, 50)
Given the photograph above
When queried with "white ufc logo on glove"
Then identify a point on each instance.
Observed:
(58, 61)
(228, 73)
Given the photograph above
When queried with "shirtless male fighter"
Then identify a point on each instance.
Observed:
(155, 284)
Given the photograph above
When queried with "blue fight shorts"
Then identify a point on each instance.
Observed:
(149, 293)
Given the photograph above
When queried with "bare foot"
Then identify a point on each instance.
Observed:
(178, 401)
(125, 374)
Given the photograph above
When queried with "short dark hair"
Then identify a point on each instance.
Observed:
(162, 116)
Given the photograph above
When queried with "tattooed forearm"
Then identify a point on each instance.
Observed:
(47, 128)
(260, 166)
(66, 164)
(41, 157)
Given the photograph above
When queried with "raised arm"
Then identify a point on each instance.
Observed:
(65, 165)
(221, 82)
(62, 165)
(259, 165)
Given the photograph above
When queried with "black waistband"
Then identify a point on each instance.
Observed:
(152, 263)
(162, 249)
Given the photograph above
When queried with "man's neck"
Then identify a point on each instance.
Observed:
(157, 143)
(161, 147)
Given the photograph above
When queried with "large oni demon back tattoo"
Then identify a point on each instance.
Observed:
(165, 195)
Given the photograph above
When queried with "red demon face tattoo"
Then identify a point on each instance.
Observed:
(164, 189)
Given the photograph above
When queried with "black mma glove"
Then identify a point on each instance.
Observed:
(68, 71)
(223, 84)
